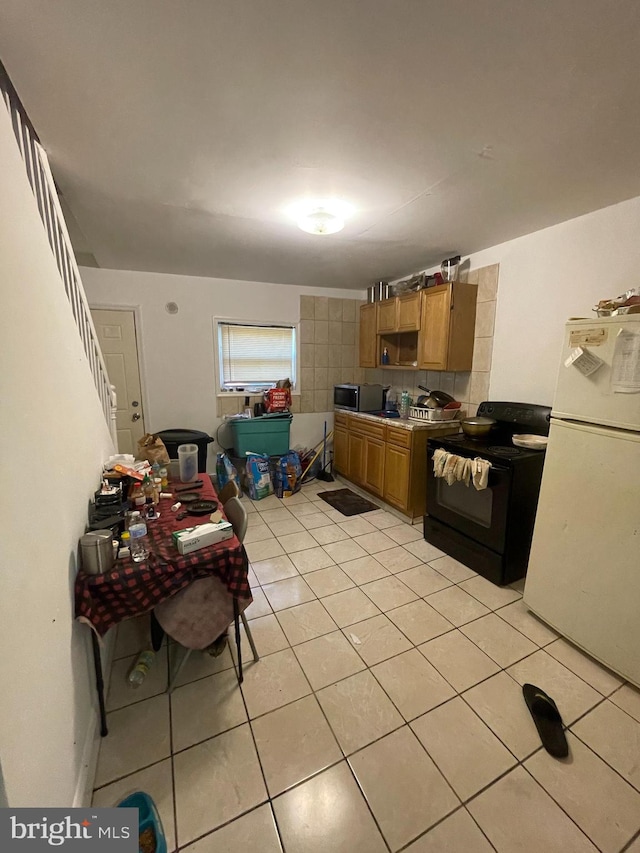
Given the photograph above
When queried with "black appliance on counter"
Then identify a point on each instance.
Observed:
(490, 530)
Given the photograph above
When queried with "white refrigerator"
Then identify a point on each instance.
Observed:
(583, 577)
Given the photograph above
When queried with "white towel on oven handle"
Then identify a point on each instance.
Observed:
(451, 468)
(463, 470)
(439, 458)
(480, 473)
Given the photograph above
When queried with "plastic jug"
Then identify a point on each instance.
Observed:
(188, 459)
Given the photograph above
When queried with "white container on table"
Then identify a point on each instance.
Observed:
(188, 459)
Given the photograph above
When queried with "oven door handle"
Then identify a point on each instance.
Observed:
(499, 468)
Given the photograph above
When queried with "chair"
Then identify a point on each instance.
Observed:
(239, 520)
(237, 517)
(231, 490)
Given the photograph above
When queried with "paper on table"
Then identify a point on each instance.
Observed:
(625, 374)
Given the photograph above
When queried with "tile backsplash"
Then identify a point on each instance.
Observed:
(328, 349)
(469, 388)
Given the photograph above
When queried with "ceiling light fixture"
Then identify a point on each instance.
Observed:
(326, 216)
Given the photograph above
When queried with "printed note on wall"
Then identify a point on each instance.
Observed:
(625, 373)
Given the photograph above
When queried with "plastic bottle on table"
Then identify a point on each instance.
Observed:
(149, 511)
(125, 545)
(138, 534)
(147, 486)
(164, 480)
(141, 667)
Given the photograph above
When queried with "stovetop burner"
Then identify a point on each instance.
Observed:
(504, 451)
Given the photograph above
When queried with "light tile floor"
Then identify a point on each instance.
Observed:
(386, 712)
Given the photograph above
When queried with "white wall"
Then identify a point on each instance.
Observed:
(547, 277)
(54, 439)
(177, 350)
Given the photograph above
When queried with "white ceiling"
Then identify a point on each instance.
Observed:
(178, 131)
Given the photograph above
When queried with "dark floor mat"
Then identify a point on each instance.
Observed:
(347, 502)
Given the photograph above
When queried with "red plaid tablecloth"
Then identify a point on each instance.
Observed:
(132, 589)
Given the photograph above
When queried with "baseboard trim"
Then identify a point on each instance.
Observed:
(87, 774)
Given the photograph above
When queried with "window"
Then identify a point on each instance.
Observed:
(254, 357)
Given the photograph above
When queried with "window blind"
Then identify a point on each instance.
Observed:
(256, 355)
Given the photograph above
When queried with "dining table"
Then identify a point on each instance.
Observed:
(131, 589)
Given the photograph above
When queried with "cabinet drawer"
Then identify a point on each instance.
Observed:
(401, 437)
(340, 418)
(363, 427)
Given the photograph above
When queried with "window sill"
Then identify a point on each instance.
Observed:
(222, 395)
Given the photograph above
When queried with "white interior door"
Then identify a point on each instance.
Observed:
(117, 336)
(584, 570)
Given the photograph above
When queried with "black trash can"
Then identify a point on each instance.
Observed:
(173, 438)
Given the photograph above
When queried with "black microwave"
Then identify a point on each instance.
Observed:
(358, 398)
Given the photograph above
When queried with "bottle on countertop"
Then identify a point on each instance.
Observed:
(405, 402)
(141, 668)
(247, 407)
(155, 469)
(164, 480)
(138, 533)
(385, 356)
(157, 488)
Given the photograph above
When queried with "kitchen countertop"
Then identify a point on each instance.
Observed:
(432, 426)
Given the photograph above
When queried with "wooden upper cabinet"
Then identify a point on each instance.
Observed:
(399, 314)
(368, 341)
(408, 313)
(387, 310)
(447, 326)
(434, 344)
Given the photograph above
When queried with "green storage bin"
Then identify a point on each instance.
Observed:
(266, 434)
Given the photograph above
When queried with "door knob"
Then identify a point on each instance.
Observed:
(136, 416)
(135, 403)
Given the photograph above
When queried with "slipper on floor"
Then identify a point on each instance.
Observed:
(547, 719)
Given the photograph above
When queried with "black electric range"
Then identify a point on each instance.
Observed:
(490, 530)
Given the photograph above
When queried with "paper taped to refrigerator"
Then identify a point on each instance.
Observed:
(588, 337)
(586, 362)
(625, 374)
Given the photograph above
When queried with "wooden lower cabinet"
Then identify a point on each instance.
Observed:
(357, 458)
(341, 449)
(397, 476)
(386, 460)
(374, 468)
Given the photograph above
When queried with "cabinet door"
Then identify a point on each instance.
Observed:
(374, 469)
(341, 450)
(368, 340)
(387, 316)
(397, 474)
(408, 315)
(434, 330)
(357, 457)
